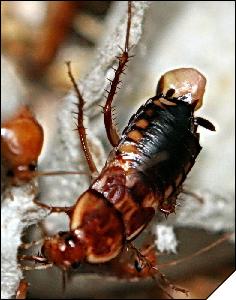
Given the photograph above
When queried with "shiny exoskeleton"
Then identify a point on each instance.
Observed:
(21, 144)
(144, 173)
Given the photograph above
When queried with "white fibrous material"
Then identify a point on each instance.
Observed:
(165, 238)
(214, 213)
(17, 212)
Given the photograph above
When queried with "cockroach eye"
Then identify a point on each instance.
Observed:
(62, 233)
(70, 240)
(32, 167)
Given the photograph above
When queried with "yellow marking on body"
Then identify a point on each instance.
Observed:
(142, 123)
(135, 135)
(167, 102)
(158, 103)
(128, 148)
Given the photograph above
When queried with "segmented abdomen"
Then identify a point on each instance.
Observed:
(145, 171)
(165, 144)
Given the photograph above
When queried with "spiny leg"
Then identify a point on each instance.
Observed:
(194, 195)
(140, 264)
(37, 259)
(26, 246)
(55, 209)
(80, 124)
(153, 271)
(222, 239)
(42, 267)
(111, 130)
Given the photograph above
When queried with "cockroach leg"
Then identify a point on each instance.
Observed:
(123, 59)
(141, 260)
(22, 289)
(167, 283)
(64, 280)
(80, 125)
(26, 246)
(54, 209)
(37, 259)
(42, 267)
(222, 239)
(59, 173)
(194, 195)
(144, 261)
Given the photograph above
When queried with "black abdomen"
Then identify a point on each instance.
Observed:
(161, 143)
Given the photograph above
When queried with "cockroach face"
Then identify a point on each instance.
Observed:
(187, 84)
(64, 250)
(21, 144)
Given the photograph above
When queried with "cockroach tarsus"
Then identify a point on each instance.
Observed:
(144, 173)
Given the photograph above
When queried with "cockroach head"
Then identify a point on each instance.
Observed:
(64, 250)
(185, 84)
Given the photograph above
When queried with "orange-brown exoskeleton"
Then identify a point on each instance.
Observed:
(143, 174)
(21, 144)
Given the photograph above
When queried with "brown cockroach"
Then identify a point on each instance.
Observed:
(143, 174)
(21, 144)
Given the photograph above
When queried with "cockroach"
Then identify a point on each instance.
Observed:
(21, 144)
(143, 174)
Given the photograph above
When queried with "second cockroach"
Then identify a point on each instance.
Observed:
(21, 144)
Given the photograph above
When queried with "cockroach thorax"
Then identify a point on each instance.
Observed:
(187, 84)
